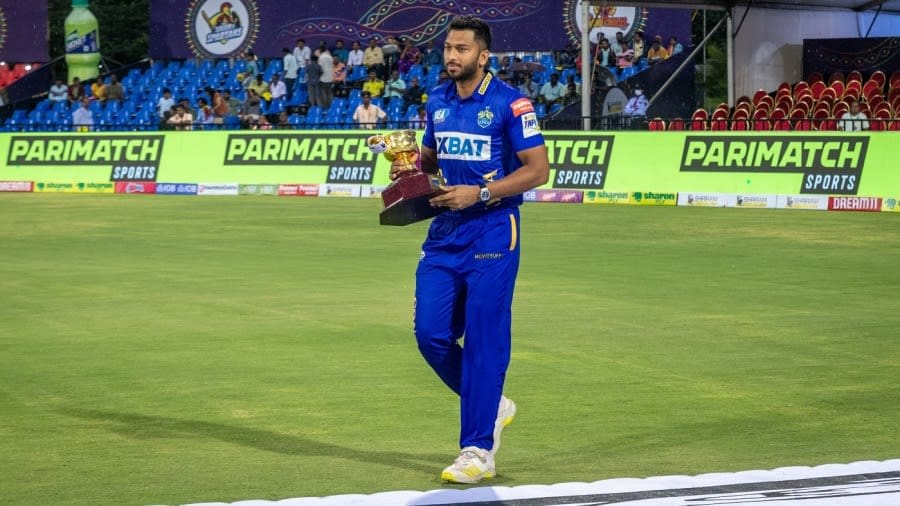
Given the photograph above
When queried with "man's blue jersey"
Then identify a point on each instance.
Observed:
(477, 138)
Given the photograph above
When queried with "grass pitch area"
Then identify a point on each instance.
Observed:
(171, 349)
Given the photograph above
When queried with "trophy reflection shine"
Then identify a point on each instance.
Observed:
(406, 199)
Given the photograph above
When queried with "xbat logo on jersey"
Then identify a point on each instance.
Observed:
(463, 146)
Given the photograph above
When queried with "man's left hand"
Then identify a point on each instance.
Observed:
(457, 197)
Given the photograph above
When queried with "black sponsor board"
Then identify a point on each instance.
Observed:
(579, 161)
(829, 164)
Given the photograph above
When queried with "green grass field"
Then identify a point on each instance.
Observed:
(170, 350)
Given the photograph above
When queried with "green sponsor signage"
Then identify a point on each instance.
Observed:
(608, 164)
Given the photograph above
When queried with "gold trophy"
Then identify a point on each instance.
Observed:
(406, 199)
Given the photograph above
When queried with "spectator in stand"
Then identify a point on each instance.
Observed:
(391, 52)
(373, 85)
(552, 91)
(260, 87)
(339, 77)
(373, 58)
(262, 124)
(59, 92)
(675, 47)
(277, 88)
(529, 88)
(76, 90)
(854, 120)
(432, 56)
(657, 53)
(186, 105)
(205, 115)
(250, 71)
(572, 95)
(620, 45)
(566, 57)
(252, 108)
(290, 68)
(302, 54)
(638, 46)
(417, 120)
(83, 118)
(570, 81)
(339, 51)
(518, 76)
(409, 56)
(326, 79)
(637, 105)
(395, 88)
(367, 115)
(98, 90)
(504, 76)
(115, 91)
(164, 104)
(626, 59)
(181, 120)
(322, 47)
(314, 81)
(219, 107)
(356, 56)
(606, 56)
(234, 105)
(414, 92)
(443, 76)
(283, 120)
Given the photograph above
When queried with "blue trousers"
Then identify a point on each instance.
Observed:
(464, 287)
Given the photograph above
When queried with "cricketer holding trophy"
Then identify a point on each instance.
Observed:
(484, 136)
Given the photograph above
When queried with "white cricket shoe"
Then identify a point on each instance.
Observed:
(472, 466)
(505, 414)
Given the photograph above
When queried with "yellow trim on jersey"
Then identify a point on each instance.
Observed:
(514, 233)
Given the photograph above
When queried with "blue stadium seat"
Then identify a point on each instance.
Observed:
(540, 110)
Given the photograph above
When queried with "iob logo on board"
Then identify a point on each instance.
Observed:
(830, 165)
(222, 29)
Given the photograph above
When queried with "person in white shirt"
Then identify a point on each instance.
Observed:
(854, 120)
(83, 118)
(277, 87)
(417, 120)
(289, 64)
(395, 87)
(367, 114)
(326, 91)
(59, 92)
(302, 53)
(637, 105)
(355, 57)
(165, 104)
(553, 90)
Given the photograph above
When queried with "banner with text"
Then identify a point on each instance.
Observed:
(608, 168)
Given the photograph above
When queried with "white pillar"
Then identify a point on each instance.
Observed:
(585, 66)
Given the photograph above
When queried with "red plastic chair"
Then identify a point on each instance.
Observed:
(758, 96)
(880, 120)
(740, 125)
(854, 75)
(718, 125)
(895, 126)
(836, 77)
(782, 125)
(676, 125)
(657, 125)
(879, 77)
(839, 109)
(817, 88)
(815, 77)
(871, 89)
(838, 88)
(799, 88)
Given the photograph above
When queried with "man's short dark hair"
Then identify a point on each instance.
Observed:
(477, 25)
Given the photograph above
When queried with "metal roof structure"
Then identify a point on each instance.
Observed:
(803, 5)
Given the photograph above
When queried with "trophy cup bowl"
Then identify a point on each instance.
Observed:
(406, 200)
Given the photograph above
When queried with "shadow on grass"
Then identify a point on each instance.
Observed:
(136, 426)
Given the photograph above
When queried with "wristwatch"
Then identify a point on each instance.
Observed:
(485, 193)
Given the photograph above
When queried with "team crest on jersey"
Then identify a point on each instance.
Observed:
(485, 118)
(440, 115)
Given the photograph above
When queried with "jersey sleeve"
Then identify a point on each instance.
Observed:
(522, 128)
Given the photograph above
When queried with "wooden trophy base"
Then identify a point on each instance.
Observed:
(406, 200)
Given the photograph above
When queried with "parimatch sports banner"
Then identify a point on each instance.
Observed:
(214, 29)
(610, 167)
